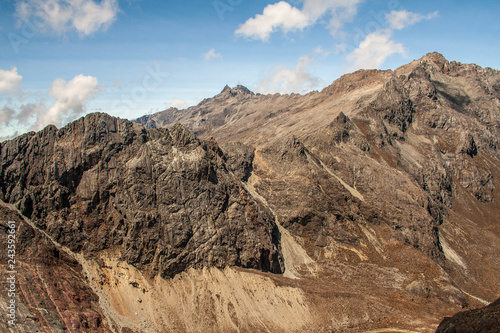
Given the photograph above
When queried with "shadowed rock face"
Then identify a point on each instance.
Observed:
(485, 319)
(376, 197)
(165, 198)
(52, 294)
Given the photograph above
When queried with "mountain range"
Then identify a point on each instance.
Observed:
(369, 206)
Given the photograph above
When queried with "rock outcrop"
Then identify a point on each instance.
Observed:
(165, 198)
(51, 291)
(485, 319)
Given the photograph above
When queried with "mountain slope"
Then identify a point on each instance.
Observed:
(416, 150)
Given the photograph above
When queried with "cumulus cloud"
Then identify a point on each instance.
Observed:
(278, 16)
(10, 80)
(60, 16)
(401, 19)
(283, 16)
(69, 102)
(70, 98)
(178, 103)
(6, 115)
(374, 50)
(340, 11)
(211, 55)
(378, 46)
(287, 80)
(30, 112)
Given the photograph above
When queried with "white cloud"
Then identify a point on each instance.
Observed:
(30, 112)
(60, 16)
(91, 17)
(374, 50)
(340, 48)
(285, 80)
(178, 103)
(401, 19)
(278, 16)
(70, 98)
(321, 51)
(6, 115)
(341, 11)
(211, 55)
(378, 46)
(10, 80)
(283, 16)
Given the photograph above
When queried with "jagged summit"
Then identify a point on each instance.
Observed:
(352, 81)
(435, 57)
(239, 89)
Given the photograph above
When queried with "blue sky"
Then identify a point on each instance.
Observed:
(61, 59)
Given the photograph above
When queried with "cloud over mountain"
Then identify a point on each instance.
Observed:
(285, 17)
(10, 80)
(378, 46)
(401, 19)
(70, 99)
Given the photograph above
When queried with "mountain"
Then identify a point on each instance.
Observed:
(372, 205)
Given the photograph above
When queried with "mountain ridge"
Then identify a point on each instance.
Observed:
(372, 204)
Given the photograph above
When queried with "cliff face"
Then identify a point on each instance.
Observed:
(166, 199)
(486, 319)
(371, 204)
(51, 291)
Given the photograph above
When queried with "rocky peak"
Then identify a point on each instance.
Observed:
(342, 119)
(352, 81)
(148, 121)
(435, 58)
(182, 137)
(238, 90)
(292, 150)
(429, 63)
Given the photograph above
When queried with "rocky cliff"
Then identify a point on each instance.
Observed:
(486, 319)
(371, 205)
(165, 198)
